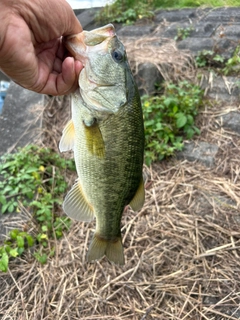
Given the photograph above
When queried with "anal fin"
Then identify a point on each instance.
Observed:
(139, 197)
(67, 139)
(76, 206)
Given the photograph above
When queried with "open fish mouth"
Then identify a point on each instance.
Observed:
(81, 44)
(101, 54)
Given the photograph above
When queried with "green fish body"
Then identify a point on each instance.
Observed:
(107, 136)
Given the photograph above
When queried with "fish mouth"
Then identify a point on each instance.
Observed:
(81, 44)
(93, 49)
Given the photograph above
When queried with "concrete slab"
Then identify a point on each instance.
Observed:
(232, 121)
(202, 152)
(87, 18)
(20, 120)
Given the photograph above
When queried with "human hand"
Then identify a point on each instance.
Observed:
(31, 49)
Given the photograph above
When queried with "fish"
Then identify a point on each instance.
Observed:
(106, 134)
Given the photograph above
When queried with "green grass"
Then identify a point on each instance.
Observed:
(33, 178)
(192, 3)
(128, 11)
(175, 3)
(169, 118)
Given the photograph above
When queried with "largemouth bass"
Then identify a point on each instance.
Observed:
(107, 136)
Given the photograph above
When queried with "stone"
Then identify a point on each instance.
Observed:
(135, 31)
(223, 15)
(202, 152)
(225, 89)
(231, 32)
(203, 30)
(231, 120)
(148, 76)
(20, 118)
(225, 47)
(172, 30)
(196, 44)
(175, 15)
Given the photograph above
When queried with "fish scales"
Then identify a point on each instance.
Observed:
(116, 170)
(108, 148)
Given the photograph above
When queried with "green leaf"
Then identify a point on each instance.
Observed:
(13, 253)
(13, 234)
(44, 228)
(190, 132)
(20, 242)
(5, 207)
(42, 258)
(175, 109)
(4, 262)
(7, 189)
(12, 206)
(190, 119)
(197, 130)
(20, 251)
(3, 200)
(30, 240)
(181, 120)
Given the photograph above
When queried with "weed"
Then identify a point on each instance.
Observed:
(14, 246)
(128, 11)
(183, 33)
(232, 66)
(120, 12)
(33, 177)
(169, 118)
(208, 58)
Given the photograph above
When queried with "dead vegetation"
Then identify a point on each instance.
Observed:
(173, 64)
(182, 249)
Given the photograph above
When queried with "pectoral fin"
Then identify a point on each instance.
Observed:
(76, 205)
(139, 198)
(94, 140)
(67, 140)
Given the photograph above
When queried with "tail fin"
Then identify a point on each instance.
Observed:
(113, 250)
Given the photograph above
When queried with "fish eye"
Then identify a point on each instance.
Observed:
(117, 55)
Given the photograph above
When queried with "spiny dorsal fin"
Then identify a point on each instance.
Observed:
(95, 143)
(76, 205)
(139, 198)
(67, 139)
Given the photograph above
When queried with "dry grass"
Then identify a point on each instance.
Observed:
(182, 253)
(182, 249)
(173, 64)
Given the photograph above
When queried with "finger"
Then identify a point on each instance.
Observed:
(62, 51)
(67, 79)
(63, 83)
(57, 65)
(67, 82)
